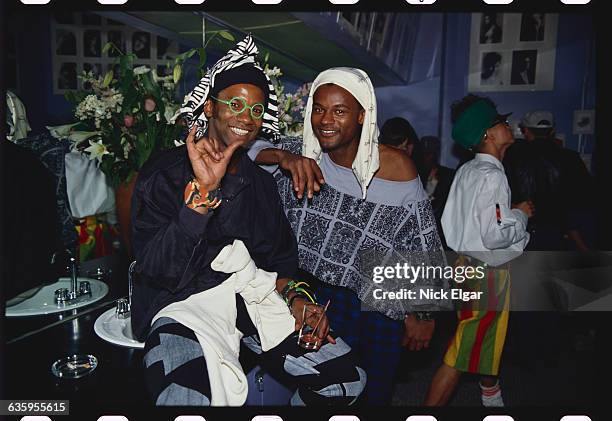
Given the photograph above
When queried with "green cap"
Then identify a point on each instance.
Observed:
(470, 127)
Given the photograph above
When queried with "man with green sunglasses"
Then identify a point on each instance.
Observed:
(238, 105)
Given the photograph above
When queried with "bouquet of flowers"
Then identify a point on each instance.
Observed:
(123, 117)
(128, 114)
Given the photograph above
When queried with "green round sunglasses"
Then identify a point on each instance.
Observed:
(238, 104)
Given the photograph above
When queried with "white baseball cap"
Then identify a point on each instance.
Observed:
(538, 119)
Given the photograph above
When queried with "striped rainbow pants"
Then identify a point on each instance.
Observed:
(479, 340)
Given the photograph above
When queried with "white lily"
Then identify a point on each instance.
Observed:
(96, 150)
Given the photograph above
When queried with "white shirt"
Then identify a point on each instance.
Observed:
(470, 222)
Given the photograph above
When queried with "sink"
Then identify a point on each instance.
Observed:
(41, 300)
(116, 331)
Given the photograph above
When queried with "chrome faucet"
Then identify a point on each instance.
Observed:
(74, 283)
(123, 308)
(64, 296)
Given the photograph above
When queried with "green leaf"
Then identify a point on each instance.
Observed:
(143, 149)
(267, 57)
(127, 87)
(150, 86)
(108, 78)
(126, 64)
(227, 35)
(184, 56)
(107, 47)
(107, 168)
(176, 74)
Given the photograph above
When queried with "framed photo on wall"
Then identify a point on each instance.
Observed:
(78, 39)
(512, 52)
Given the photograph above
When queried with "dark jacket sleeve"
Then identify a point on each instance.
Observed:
(277, 241)
(166, 233)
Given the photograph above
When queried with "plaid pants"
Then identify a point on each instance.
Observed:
(376, 338)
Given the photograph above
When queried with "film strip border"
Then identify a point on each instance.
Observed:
(273, 2)
(399, 6)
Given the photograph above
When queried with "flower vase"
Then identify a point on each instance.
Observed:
(123, 200)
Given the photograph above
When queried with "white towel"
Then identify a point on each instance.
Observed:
(89, 192)
(211, 314)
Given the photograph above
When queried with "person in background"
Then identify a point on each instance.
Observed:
(562, 233)
(436, 178)
(540, 170)
(398, 133)
(487, 231)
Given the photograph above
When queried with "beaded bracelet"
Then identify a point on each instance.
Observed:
(290, 285)
(299, 289)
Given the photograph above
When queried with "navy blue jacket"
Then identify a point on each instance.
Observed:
(174, 245)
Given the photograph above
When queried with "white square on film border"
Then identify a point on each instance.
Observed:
(421, 1)
(498, 1)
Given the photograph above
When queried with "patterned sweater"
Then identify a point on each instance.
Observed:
(341, 237)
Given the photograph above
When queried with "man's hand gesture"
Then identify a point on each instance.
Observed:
(209, 166)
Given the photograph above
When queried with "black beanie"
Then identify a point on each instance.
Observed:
(243, 74)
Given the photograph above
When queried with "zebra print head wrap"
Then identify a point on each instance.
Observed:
(245, 53)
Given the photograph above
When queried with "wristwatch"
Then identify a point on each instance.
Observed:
(424, 316)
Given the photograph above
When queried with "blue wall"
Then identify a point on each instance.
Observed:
(419, 102)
